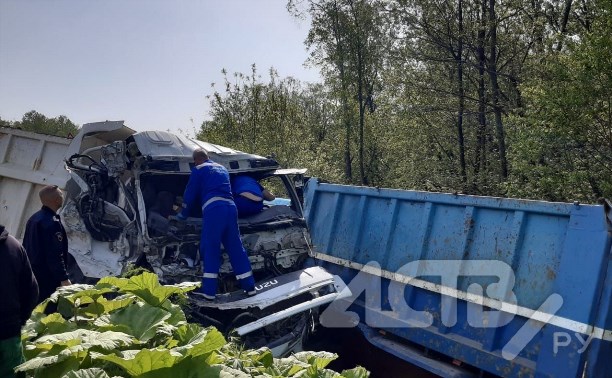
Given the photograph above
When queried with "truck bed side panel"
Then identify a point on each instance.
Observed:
(28, 161)
(559, 255)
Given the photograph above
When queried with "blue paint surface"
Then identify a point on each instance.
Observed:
(552, 248)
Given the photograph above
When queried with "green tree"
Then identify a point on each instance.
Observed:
(39, 123)
(491, 97)
(563, 145)
(284, 118)
(348, 41)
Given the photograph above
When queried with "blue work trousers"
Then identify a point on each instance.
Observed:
(247, 207)
(220, 225)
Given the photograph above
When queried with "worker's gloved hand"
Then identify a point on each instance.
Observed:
(180, 217)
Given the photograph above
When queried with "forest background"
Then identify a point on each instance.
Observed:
(506, 98)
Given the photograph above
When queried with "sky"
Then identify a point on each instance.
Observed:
(147, 62)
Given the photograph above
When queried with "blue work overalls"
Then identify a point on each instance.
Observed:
(210, 183)
(245, 184)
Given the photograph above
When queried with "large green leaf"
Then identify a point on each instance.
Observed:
(177, 316)
(139, 319)
(39, 362)
(228, 372)
(213, 340)
(91, 294)
(110, 282)
(147, 287)
(195, 368)
(188, 333)
(144, 361)
(314, 372)
(200, 344)
(40, 308)
(65, 291)
(60, 368)
(57, 360)
(261, 356)
(357, 372)
(115, 304)
(64, 298)
(185, 287)
(87, 373)
(286, 367)
(318, 359)
(55, 323)
(65, 306)
(144, 317)
(40, 323)
(87, 339)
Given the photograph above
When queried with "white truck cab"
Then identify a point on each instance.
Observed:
(123, 187)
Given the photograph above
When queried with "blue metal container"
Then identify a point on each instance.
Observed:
(556, 312)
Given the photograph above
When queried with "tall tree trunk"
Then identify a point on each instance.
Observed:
(362, 174)
(348, 171)
(566, 12)
(254, 114)
(461, 106)
(497, 110)
(348, 160)
(481, 138)
(360, 90)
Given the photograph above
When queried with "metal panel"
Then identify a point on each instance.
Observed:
(28, 161)
(552, 248)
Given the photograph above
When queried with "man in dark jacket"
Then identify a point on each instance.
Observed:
(46, 243)
(19, 293)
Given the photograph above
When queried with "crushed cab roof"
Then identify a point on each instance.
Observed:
(163, 145)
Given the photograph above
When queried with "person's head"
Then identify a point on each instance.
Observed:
(52, 197)
(199, 156)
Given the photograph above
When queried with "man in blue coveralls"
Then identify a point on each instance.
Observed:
(210, 183)
(249, 195)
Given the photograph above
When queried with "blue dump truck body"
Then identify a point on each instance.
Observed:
(463, 284)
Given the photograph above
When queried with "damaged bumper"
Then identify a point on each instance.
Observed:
(280, 316)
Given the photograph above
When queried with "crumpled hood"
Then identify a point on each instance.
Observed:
(3, 234)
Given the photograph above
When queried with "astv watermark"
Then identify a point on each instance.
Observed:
(497, 309)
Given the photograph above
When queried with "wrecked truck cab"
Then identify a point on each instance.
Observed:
(121, 189)
(125, 187)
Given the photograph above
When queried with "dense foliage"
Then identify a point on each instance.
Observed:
(39, 123)
(492, 97)
(133, 327)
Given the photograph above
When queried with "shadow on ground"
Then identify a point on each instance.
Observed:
(353, 349)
